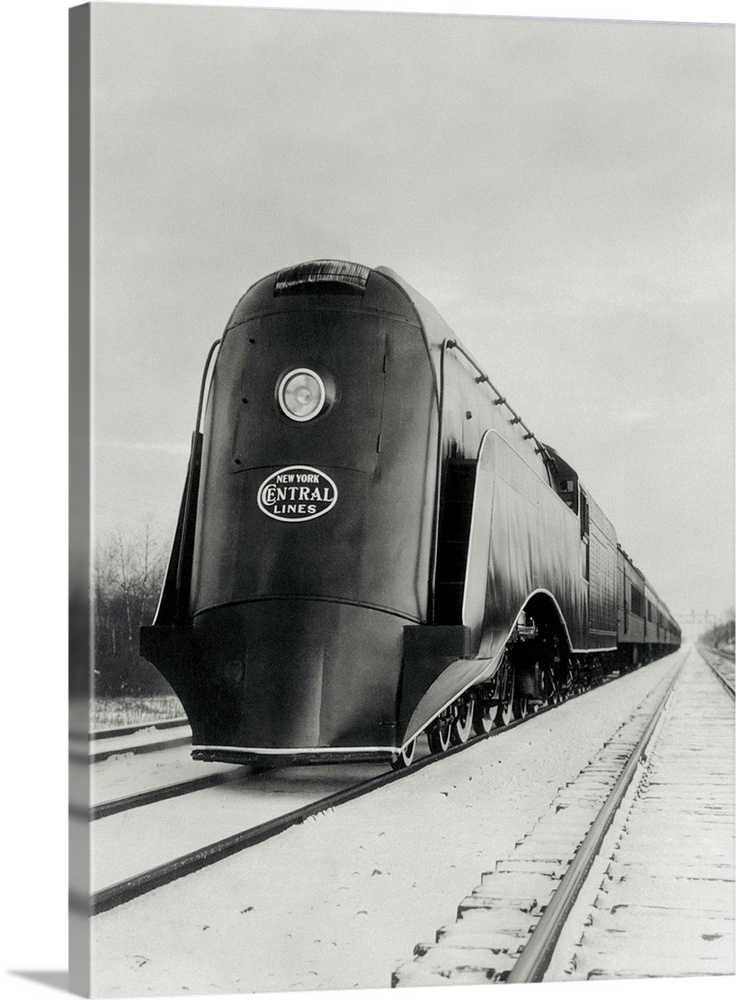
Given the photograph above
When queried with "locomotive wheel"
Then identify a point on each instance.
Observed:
(439, 733)
(484, 715)
(560, 676)
(506, 710)
(568, 688)
(505, 713)
(522, 706)
(405, 756)
(552, 691)
(462, 724)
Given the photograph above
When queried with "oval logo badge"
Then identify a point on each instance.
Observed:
(297, 493)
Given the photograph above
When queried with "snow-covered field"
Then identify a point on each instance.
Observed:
(340, 901)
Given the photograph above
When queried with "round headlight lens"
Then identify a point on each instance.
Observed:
(302, 394)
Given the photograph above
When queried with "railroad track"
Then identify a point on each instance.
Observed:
(661, 900)
(150, 796)
(100, 745)
(722, 665)
(112, 807)
(128, 889)
(133, 728)
(129, 741)
(507, 930)
(155, 876)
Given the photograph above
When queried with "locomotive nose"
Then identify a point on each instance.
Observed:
(281, 676)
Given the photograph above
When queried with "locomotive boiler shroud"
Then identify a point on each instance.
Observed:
(364, 525)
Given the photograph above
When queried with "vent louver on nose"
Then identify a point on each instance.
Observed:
(322, 277)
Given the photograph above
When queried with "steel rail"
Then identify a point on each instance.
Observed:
(723, 653)
(95, 758)
(705, 653)
(135, 727)
(537, 953)
(153, 795)
(725, 683)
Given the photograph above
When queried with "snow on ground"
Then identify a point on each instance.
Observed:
(129, 773)
(341, 900)
(660, 895)
(131, 842)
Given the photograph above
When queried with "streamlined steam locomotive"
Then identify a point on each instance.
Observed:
(372, 544)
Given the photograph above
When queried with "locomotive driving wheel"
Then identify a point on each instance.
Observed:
(493, 707)
(484, 710)
(550, 694)
(462, 724)
(522, 706)
(439, 733)
(405, 756)
(507, 708)
(555, 673)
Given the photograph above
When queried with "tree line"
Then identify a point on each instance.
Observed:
(127, 583)
(720, 634)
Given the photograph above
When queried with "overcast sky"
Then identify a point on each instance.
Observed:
(561, 190)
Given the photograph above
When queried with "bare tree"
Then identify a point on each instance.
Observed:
(127, 581)
(722, 633)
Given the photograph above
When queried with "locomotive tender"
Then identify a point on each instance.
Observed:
(372, 544)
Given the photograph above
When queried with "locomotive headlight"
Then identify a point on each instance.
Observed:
(302, 394)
